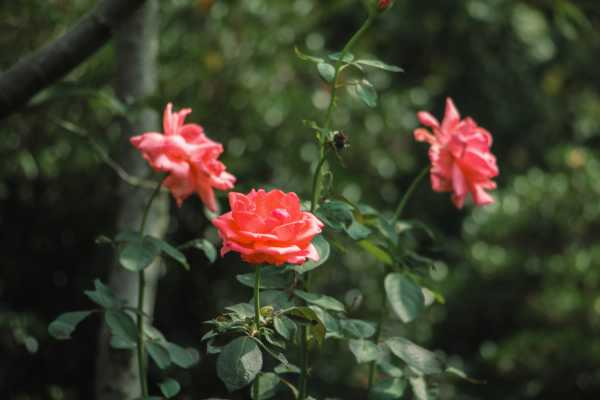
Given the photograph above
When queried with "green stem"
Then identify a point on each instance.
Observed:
(257, 322)
(141, 351)
(257, 297)
(317, 186)
(409, 193)
(318, 177)
(317, 180)
(372, 366)
(355, 38)
(303, 386)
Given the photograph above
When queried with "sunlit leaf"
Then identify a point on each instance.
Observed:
(63, 326)
(389, 389)
(159, 353)
(307, 57)
(121, 324)
(363, 350)
(170, 251)
(327, 302)
(269, 384)
(380, 65)
(137, 255)
(327, 71)
(422, 360)
(169, 388)
(405, 296)
(239, 362)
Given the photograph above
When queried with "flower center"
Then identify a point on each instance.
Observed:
(280, 213)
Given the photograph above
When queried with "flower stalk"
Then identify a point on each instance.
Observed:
(257, 322)
(317, 186)
(409, 193)
(411, 189)
(141, 351)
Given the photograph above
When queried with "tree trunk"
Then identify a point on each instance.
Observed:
(136, 48)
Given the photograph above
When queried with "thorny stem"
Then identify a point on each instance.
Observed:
(317, 186)
(141, 352)
(409, 193)
(380, 321)
(257, 322)
(318, 178)
(304, 372)
(403, 201)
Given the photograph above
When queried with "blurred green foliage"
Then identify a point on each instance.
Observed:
(520, 278)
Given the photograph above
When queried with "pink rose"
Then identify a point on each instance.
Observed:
(190, 158)
(461, 161)
(268, 228)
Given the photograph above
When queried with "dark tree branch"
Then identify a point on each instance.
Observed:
(50, 63)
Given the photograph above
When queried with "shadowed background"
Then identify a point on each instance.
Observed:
(521, 278)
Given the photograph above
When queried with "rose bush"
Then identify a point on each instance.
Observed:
(188, 156)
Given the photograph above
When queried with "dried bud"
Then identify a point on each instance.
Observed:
(340, 140)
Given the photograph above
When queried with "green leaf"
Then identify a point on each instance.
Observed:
(159, 354)
(307, 57)
(121, 343)
(65, 324)
(242, 310)
(356, 328)
(127, 236)
(239, 362)
(287, 369)
(390, 369)
(327, 71)
(137, 255)
(358, 231)
(422, 360)
(269, 383)
(332, 327)
(348, 57)
(121, 324)
(205, 246)
(153, 334)
(102, 296)
(377, 252)
(279, 300)
(169, 388)
(327, 302)
(316, 327)
(184, 358)
(389, 389)
(102, 239)
(270, 278)
(284, 326)
(405, 296)
(323, 249)
(462, 375)
(364, 91)
(335, 214)
(380, 65)
(387, 230)
(170, 251)
(363, 350)
(420, 389)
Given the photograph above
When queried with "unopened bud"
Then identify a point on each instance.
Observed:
(379, 6)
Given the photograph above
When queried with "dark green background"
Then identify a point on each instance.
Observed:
(521, 278)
